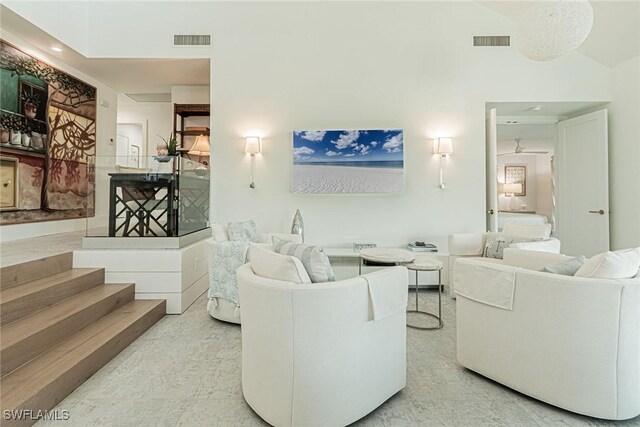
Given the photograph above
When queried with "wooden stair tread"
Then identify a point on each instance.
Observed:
(17, 292)
(18, 274)
(47, 379)
(32, 324)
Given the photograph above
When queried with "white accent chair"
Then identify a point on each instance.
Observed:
(311, 353)
(471, 245)
(569, 341)
(221, 308)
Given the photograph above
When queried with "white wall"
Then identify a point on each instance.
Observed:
(277, 67)
(135, 135)
(157, 118)
(624, 155)
(105, 149)
(544, 187)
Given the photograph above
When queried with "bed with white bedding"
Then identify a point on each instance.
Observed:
(520, 218)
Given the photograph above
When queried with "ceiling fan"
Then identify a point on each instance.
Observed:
(519, 149)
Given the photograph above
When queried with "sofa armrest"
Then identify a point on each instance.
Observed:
(467, 244)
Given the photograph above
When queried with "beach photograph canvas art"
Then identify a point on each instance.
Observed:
(348, 161)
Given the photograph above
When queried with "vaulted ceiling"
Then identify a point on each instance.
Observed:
(615, 37)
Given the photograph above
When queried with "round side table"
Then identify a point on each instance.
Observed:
(384, 255)
(427, 265)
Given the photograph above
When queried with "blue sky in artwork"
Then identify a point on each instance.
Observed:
(347, 146)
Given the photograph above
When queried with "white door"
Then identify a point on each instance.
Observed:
(491, 164)
(582, 186)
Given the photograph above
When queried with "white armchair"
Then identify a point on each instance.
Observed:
(224, 258)
(569, 341)
(311, 353)
(472, 245)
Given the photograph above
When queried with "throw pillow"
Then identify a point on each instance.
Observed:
(266, 263)
(537, 231)
(242, 231)
(220, 232)
(313, 258)
(497, 242)
(566, 268)
(622, 264)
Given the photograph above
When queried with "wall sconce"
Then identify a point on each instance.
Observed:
(252, 146)
(443, 147)
(510, 190)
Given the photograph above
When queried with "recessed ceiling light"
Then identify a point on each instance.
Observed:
(56, 49)
(536, 108)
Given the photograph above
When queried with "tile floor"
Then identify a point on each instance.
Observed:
(185, 371)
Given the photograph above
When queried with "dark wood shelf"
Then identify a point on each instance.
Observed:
(19, 149)
(181, 113)
(193, 132)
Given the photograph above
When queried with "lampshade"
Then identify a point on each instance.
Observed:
(514, 188)
(443, 146)
(252, 145)
(201, 147)
(553, 28)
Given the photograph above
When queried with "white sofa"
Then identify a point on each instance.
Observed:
(569, 341)
(472, 245)
(222, 308)
(311, 353)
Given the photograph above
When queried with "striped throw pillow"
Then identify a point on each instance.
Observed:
(313, 258)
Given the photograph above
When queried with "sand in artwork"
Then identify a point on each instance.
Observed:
(346, 179)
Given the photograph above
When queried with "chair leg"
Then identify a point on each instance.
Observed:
(127, 224)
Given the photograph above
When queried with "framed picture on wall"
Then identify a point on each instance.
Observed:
(134, 156)
(348, 161)
(516, 175)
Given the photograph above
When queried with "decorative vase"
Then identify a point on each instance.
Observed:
(16, 137)
(37, 141)
(297, 227)
(26, 139)
(4, 136)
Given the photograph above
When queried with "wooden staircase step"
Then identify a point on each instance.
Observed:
(30, 336)
(19, 274)
(26, 299)
(46, 380)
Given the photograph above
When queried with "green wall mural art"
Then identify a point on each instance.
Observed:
(47, 141)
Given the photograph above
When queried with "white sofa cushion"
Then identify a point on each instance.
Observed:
(244, 231)
(268, 264)
(313, 258)
(540, 231)
(549, 245)
(220, 232)
(531, 259)
(622, 264)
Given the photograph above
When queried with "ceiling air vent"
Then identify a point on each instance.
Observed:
(491, 41)
(192, 40)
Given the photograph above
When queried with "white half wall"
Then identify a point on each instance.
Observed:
(624, 155)
(284, 66)
(105, 153)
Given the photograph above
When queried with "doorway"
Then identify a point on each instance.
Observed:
(547, 163)
(131, 145)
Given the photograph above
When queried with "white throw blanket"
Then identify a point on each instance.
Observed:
(490, 284)
(225, 259)
(384, 300)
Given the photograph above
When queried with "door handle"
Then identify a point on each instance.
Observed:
(600, 212)
(490, 211)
